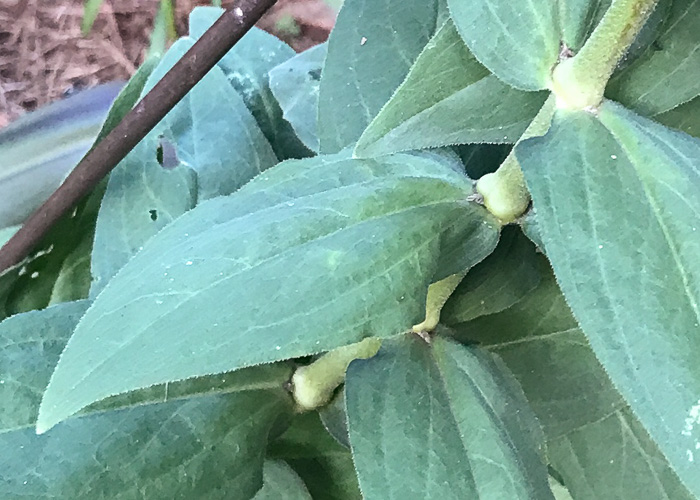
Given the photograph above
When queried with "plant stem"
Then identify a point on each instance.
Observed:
(314, 384)
(504, 191)
(579, 82)
(438, 293)
(204, 54)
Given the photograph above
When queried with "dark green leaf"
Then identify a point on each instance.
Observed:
(618, 211)
(74, 278)
(335, 418)
(366, 238)
(197, 439)
(648, 34)
(441, 422)
(583, 416)
(448, 98)
(517, 41)
(666, 74)
(280, 482)
(295, 84)
(325, 466)
(685, 117)
(504, 278)
(370, 51)
(482, 159)
(246, 67)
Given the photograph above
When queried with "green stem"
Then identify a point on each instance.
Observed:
(313, 385)
(438, 293)
(579, 82)
(504, 191)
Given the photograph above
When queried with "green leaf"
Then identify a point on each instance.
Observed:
(280, 482)
(212, 432)
(6, 233)
(504, 278)
(666, 74)
(74, 278)
(448, 98)
(358, 229)
(325, 466)
(634, 285)
(518, 42)
(578, 18)
(295, 84)
(90, 12)
(335, 419)
(246, 67)
(441, 422)
(482, 159)
(685, 117)
(370, 51)
(584, 417)
(210, 133)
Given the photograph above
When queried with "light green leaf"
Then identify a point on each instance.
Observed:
(370, 51)
(325, 466)
(685, 117)
(295, 84)
(504, 278)
(366, 239)
(210, 431)
(448, 98)
(583, 415)
(618, 210)
(280, 482)
(6, 233)
(666, 74)
(246, 67)
(90, 12)
(517, 41)
(441, 422)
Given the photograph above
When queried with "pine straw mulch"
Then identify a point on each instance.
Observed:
(43, 54)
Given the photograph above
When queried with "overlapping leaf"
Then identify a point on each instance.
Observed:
(370, 51)
(311, 255)
(199, 438)
(295, 84)
(517, 41)
(441, 422)
(666, 74)
(593, 440)
(448, 98)
(617, 207)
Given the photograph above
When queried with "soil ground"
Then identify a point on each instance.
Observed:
(43, 54)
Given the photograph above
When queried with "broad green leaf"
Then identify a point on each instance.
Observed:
(583, 416)
(370, 51)
(335, 419)
(344, 249)
(30, 345)
(448, 98)
(504, 278)
(441, 422)
(666, 74)
(295, 84)
(208, 145)
(211, 431)
(280, 482)
(617, 208)
(517, 41)
(578, 18)
(685, 117)
(246, 67)
(325, 466)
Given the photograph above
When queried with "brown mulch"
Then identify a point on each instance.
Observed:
(43, 54)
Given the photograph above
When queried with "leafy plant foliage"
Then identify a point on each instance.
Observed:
(292, 205)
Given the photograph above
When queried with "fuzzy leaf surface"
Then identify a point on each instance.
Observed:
(343, 248)
(370, 51)
(516, 41)
(441, 422)
(448, 98)
(618, 207)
